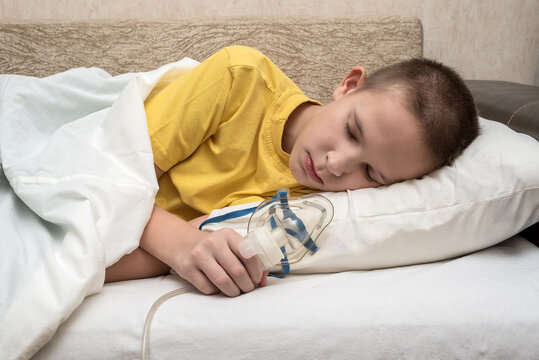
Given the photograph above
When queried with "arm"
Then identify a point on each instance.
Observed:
(139, 264)
(210, 261)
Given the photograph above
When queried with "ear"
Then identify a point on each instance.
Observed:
(354, 79)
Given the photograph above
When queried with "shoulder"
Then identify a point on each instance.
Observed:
(244, 55)
(249, 59)
(250, 63)
(241, 57)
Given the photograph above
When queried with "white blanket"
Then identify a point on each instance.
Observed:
(77, 186)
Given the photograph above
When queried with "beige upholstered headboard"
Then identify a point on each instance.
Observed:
(316, 52)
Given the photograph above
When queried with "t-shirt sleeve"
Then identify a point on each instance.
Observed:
(187, 112)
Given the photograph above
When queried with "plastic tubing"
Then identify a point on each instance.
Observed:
(151, 313)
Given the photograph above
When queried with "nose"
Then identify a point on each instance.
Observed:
(338, 162)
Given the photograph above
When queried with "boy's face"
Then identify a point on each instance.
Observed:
(362, 139)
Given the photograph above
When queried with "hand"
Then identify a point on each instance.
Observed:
(212, 263)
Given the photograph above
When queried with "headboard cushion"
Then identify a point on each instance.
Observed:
(316, 53)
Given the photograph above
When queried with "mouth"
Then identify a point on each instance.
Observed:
(309, 167)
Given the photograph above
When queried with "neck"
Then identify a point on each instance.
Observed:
(295, 123)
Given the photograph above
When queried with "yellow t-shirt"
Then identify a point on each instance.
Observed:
(217, 132)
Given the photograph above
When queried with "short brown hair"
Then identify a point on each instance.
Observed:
(438, 97)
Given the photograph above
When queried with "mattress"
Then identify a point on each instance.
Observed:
(482, 305)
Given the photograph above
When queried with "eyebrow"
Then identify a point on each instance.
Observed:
(357, 121)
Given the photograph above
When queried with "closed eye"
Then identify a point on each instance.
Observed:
(368, 175)
(349, 132)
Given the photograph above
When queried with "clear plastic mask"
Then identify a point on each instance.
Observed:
(283, 229)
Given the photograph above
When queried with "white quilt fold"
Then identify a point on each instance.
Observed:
(77, 186)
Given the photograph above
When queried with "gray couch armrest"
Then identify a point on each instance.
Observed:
(532, 233)
(517, 106)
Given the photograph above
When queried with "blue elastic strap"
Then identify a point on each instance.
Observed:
(227, 216)
(284, 262)
(289, 214)
(309, 244)
(235, 214)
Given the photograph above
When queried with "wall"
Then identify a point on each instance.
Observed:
(483, 39)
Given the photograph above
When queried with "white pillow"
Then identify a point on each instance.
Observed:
(490, 193)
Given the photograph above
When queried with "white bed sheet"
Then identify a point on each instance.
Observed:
(483, 305)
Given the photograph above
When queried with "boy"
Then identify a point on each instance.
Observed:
(235, 129)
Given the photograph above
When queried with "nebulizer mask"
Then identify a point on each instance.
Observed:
(283, 229)
(280, 232)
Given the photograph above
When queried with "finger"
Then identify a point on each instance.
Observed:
(245, 272)
(264, 281)
(254, 268)
(236, 270)
(201, 282)
(252, 264)
(217, 274)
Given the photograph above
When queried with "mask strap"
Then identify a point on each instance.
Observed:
(301, 234)
(227, 216)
